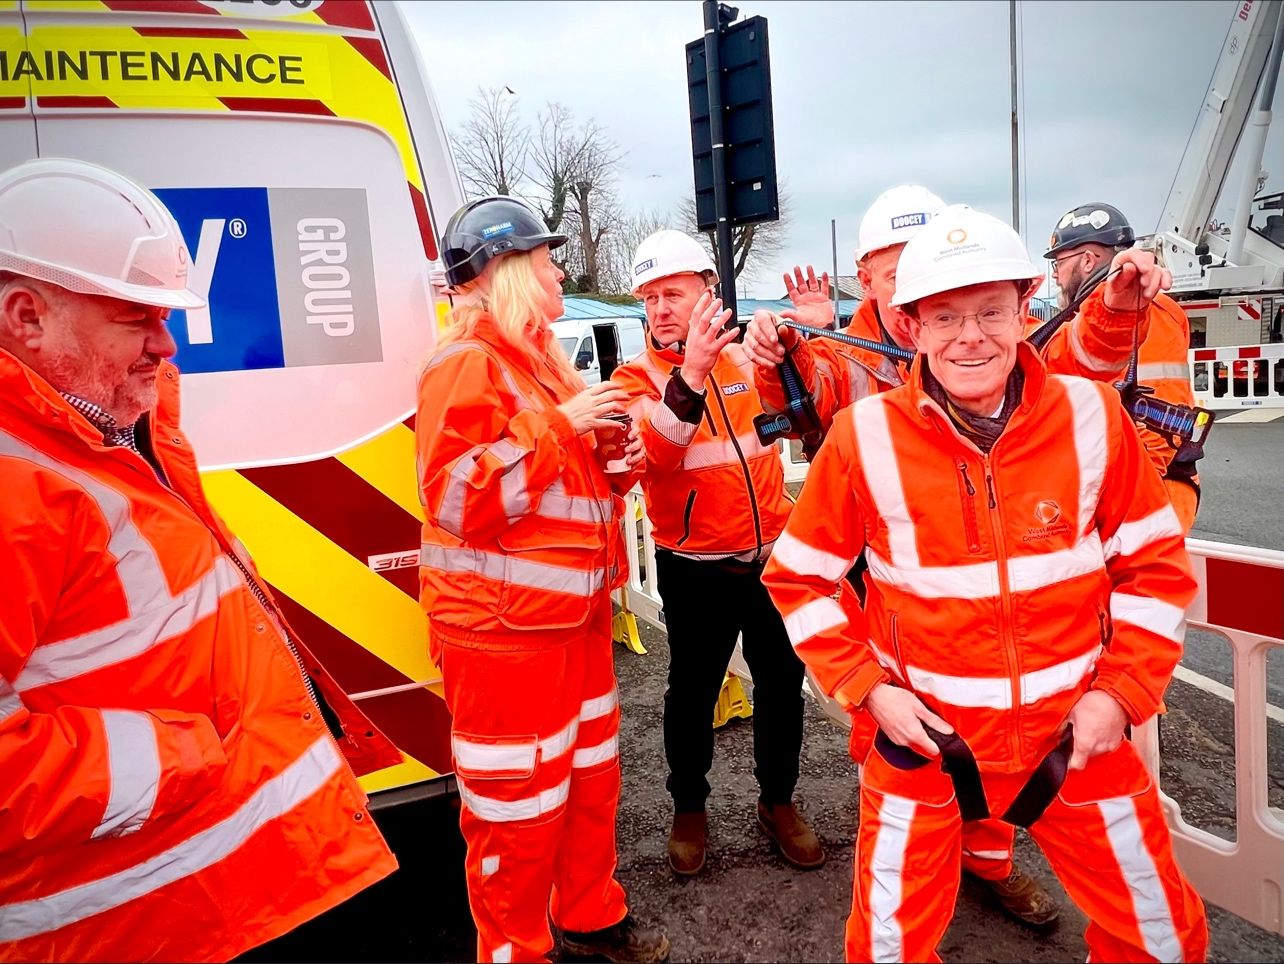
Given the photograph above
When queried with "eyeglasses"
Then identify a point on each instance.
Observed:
(992, 320)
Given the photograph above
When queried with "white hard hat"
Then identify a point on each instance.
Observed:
(668, 253)
(896, 216)
(90, 230)
(960, 247)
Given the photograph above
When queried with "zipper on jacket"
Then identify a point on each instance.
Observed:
(686, 517)
(1006, 617)
(744, 465)
(1105, 633)
(971, 529)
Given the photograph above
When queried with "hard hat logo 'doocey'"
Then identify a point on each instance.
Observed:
(646, 265)
(915, 220)
(1047, 512)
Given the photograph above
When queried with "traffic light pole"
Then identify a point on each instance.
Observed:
(721, 200)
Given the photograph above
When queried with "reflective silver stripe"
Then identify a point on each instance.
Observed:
(277, 797)
(518, 572)
(141, 577)
(1153, 615)
(451, 514)
(133, 761)
(133, 636)
(1155, 371)
(1131, 537)
(749, 555)
(511, 757)
(507, 811)
(489, 865)
(805, 560)
(1089, 444)
(874, 436)
(591, 756)
(1086, 358)
(987, 854)
(450, 350)
(1039, 684)
(1030, 573)
(599, 706)
(820, 615)
(503, 954)
(703, 455)
(561, 741)
(979, 580)
(671, 428)
(513, 492)
(891, 840)
(556, 504)
(10, 701)
(1150, 903)
(995, 692)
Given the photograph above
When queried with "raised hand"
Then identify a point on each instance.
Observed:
(705, 339)
(1139, 280)
(810, 297)
(588, 410)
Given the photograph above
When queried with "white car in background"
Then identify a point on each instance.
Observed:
(576, 339)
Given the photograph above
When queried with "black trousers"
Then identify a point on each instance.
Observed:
(706, 605)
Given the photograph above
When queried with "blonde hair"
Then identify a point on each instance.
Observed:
(513, 299)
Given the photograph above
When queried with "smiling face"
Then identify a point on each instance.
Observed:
(973, 362)
(103, 350)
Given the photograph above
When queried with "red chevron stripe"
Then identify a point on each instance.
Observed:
(277, 105)
(346, 13)
(416, 720)
(425, 222)
(347, 510)
(372, 50)
(159, 6)
(203, 33)
(98, 103)
(13, 103)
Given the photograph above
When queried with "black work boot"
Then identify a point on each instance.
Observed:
(624, 943)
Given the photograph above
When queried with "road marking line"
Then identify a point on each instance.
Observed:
(1250, 415)
(1199, 681)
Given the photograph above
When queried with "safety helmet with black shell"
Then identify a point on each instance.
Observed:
(488, 228)
(1094, 223)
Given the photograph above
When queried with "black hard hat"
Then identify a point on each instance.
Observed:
(486, 228)
(1095, 223)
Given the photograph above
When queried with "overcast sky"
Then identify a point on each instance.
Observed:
(868, 95)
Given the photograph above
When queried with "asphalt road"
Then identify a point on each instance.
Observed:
(749, 906)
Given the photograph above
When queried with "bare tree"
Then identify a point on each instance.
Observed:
(615, 261)
(492, 146)
(575, 170)
(752, 245)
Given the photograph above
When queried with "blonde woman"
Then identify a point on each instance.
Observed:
(522, 545)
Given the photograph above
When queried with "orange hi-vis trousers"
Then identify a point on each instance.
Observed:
(535, 735)
(1104, 836)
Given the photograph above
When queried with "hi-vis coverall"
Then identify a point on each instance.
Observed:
(522, 545)
(1096, 343)
(716, 499)
(169, 789)
(1002, 587)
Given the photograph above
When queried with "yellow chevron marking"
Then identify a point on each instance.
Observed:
(403, 774)
(387, 462)
(322, 577)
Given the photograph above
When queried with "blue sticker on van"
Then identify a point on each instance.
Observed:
(288, 274)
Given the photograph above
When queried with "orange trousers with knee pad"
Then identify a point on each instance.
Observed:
(535, 735)
(1104, 836)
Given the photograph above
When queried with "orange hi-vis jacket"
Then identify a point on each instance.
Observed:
(1163, 364)
(522, 528)
(1001, 587)
(1096, 344)
(168, 787)
(712, 490)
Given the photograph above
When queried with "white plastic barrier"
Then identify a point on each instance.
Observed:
(1241, 597)
(1240, 376)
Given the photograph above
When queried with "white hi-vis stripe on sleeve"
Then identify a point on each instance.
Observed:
(818, 616)
(671, 428)
(518, 572)
(10, 701)
(508, 811)
(58, 661)
(995, 692)
(591, 756)
(887, 866)
(1132, 537)
(884, 480)
(1154, 615)
(1089, 443)
(599, 706)
(1137, 866)
(1086, 358)
(1155, 371)
(133, 759)
(275, 798)
(797, 556)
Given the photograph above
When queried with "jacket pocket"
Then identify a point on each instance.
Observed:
(494, 757)
(686, 516)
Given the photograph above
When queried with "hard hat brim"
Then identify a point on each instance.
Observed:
(963, 277)
(87, 283)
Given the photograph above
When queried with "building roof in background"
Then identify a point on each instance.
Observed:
(580, 309)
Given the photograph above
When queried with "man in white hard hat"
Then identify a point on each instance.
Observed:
(1096, 344)
(1027, 588)
(716, 499)
(170, 787)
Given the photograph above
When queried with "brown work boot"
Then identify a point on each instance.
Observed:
(794, 839)
(1024, 899)
(623, 943)
(687, 842)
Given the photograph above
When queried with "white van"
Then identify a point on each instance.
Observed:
(576, 338)
(300, 150)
